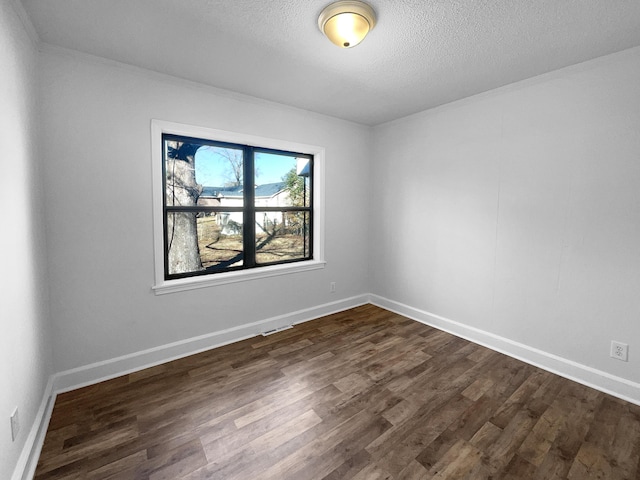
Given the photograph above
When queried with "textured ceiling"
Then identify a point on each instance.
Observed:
(422, 53)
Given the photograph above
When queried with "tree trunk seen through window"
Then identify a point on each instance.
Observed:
(182, 190)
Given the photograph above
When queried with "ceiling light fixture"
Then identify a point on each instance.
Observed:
(346, 23)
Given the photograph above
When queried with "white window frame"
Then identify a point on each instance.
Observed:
(162, 286)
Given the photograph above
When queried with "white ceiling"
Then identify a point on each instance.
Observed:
(422, 53)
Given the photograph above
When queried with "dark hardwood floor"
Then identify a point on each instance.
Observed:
(363, 394)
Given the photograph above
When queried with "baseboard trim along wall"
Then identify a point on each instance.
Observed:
(108, 369)
(591, 377)
(26, 467)
(116, 367)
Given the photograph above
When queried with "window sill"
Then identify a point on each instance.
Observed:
(172, 286)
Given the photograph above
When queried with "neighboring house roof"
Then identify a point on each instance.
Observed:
(269, 189)
(216, 192)
(266, 190)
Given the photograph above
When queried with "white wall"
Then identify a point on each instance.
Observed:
(25, 356)
(517, 212)
(99, 223)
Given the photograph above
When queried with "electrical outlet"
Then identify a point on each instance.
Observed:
(332, 287)
(620, 351)
(15, 424)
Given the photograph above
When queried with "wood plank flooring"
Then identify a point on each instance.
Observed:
(363, 394)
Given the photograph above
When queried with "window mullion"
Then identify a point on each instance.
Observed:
(249, 227)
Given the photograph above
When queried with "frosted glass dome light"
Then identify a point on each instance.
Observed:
(346, 23)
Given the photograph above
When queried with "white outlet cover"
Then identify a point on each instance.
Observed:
(620, 351)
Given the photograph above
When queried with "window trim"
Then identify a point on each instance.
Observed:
(162, 286)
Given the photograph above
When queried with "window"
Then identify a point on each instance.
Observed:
(230, 207)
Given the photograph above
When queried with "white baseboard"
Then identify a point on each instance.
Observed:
(115, 367)
(26, 466)
(591, 377)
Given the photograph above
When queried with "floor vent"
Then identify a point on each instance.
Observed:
(276, 330)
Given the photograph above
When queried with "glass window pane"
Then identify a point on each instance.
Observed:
(220, 239)
(281, 180)
(199, 174)
(181, 187)
(220, 173)
(281, 236)
(197, 241)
